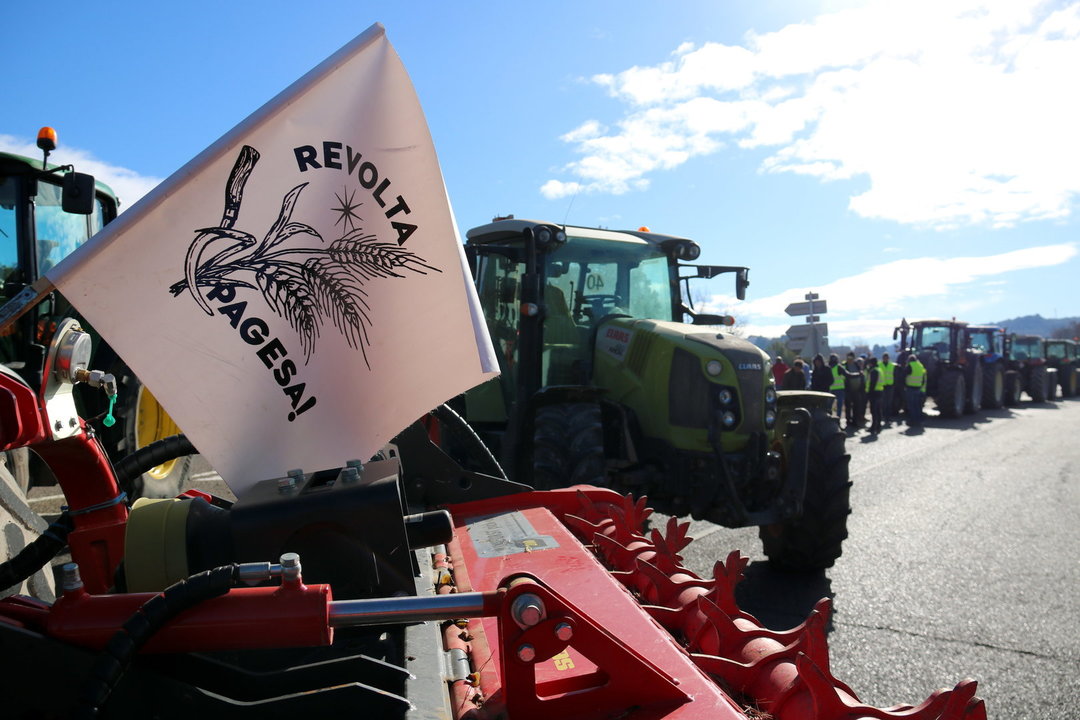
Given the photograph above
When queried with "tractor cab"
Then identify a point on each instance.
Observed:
(46, 212)
(954, 375)
(1027, 349)
(547, 289)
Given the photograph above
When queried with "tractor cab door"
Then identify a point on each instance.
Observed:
(498, 283)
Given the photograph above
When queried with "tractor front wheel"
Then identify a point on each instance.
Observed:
(813, 541)
(141, 420)
(568, 446)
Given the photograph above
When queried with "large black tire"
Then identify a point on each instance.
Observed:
(993, 395)
(1067, 380)
(813, 541)
(568, 446)
(140, 420)
(952, 394)
(1012, 388)
(973, 402)
(1051, 384)
(1037, 384)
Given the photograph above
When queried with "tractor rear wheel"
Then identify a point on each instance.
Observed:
(568, 446)
(813, 541)
(1067, 379)
(1012, 388)
(975, 389)
(1038, 379)
(993, 387)
(951, 394)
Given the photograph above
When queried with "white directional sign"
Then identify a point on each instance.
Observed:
(804, 308)
(804, 332)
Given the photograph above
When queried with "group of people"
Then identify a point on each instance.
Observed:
(858, 384)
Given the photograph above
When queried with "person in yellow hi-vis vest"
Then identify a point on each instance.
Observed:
(887, 368)
(914, 387)
(840, 374)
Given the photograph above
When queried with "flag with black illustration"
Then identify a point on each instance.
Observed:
(297, 294)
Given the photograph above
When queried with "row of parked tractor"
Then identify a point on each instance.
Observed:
(973, 367)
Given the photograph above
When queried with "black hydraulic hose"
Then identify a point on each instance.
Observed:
(142, 460)
(37, 554)
(114, 660)
(456, 423)
(44, 548)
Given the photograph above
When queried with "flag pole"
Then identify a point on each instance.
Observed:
(27, 298)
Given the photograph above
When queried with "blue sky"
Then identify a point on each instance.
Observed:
(910, 159)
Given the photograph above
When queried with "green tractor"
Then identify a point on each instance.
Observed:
(1064, 357)
(604, 383)
(46, 212)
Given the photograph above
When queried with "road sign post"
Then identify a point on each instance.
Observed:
(814, 332)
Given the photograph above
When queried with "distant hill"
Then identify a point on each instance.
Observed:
(1035, 324)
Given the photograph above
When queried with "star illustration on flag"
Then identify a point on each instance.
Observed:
(346, 209)
(305, 286)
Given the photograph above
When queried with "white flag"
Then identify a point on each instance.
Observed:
(297, 294)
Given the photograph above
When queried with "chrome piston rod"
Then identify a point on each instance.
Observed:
(397, 610)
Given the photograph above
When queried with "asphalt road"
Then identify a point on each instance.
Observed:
(962, 561)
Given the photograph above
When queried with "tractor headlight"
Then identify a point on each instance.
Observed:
(770, 395)
(728, 419)
(714, 367)
(725, 397)
(770, 418)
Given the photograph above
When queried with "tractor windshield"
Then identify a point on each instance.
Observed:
(597, 277)
(1030, 348)
(985, 342)
(933, 337)
(1060, 350)
(585, 280)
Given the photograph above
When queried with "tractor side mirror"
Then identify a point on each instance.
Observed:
(77, 193)
(742, 281)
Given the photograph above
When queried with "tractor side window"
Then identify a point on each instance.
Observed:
(58, 233)
(650, 289)
(9, 247)
(979, 344)
(499, 283)
(1055, 351)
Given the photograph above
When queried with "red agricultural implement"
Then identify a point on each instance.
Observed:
(426, 591)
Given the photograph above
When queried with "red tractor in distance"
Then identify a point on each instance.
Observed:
(1028, 370)
(954, 373)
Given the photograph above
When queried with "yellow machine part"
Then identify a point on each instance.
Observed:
(155, 548)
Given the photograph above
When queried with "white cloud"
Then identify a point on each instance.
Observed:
(957, 113)
(870, 304)
(127, 184)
